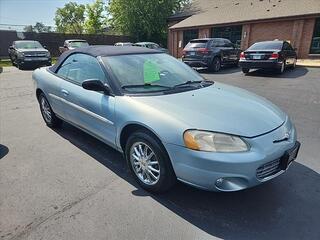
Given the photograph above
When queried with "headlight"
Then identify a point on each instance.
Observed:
(213, 142)
(48, 54)
(20, 54)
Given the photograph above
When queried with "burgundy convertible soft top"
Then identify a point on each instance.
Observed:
(103, 51)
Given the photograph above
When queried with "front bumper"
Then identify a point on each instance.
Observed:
(231, 171)
(35, 61)
(260, 64)
(201, 62)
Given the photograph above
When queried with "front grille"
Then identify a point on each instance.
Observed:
(268, 169)
(35, 54)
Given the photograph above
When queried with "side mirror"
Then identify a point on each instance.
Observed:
(45, 46)
(11, 47)
(96, 85)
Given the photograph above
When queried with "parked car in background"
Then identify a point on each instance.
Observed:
(151, 45)
(27, 53)
(134, 99)
(72, 44)
(277, 55)
(123, 44)
(211, 53)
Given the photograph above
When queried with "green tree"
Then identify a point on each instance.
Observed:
(40, 27)
(143, 20)
(70, 18)
(96, 18)
(28, 28)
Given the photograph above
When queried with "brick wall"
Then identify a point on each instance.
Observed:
(298, 31)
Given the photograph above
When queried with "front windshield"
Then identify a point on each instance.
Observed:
(28, 45)
(150, 72)
(78, 44)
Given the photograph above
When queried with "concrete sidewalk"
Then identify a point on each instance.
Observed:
(308, 62)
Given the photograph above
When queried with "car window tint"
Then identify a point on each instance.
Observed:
(287, 47)
(197, 44)
(218, 43)
(81, 67)
(266, 45)
(227, 43)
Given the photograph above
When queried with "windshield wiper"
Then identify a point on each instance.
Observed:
(188, 83)
(144, 85)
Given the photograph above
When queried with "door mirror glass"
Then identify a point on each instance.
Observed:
(95, 85)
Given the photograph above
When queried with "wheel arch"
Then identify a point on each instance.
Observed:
(132, 127)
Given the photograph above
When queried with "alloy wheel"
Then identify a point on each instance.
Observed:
(145, 163)
(45, 109)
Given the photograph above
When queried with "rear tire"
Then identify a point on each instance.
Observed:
(245, 70)
(282, 68)
(48, 115)
(155, 173)
(215, 65)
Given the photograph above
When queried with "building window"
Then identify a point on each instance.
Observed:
(233, 33)
(315, 43)
(189, 35)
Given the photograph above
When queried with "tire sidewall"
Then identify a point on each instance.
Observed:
(167, 176)
(214, 63)
(49, 124)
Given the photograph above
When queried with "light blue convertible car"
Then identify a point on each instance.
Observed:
(169, 122)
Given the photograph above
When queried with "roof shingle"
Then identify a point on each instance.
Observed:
(215, 12)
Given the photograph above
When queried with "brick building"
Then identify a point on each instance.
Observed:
(247, 21)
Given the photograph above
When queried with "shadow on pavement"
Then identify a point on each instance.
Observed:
(289, 73)
(223, 70)
(3, 151)
(287, 207)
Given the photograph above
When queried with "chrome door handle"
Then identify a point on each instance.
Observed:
(65, 92)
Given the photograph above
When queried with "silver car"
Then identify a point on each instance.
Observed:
(167, 120)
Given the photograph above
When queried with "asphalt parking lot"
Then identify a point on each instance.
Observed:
(64, 184)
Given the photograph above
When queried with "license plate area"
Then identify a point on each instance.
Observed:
(256, 57)
(289, 156)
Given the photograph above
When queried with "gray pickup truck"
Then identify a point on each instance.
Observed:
(72, 44)
(211, 53)
(27, 53)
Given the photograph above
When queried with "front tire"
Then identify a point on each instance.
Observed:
(149, 162)
(48, 115)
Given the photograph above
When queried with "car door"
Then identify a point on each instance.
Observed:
(225, 50)
(90, 110)
(232, 51)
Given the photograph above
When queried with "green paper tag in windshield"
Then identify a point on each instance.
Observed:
(150, 72)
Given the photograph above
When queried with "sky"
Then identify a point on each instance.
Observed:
(28, 12)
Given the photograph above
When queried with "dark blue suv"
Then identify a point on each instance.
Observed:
(210, 53)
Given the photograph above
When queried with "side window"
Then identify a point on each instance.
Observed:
(287, 47)
(64, 69)
(81, 67)
(227, 43)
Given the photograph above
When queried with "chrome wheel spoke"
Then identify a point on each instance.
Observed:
(152, 174)
(153, 169)
(144, 163)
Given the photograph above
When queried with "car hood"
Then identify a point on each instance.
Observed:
(23, 50)
(220, 108)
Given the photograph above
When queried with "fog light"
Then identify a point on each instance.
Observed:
(229, 184)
